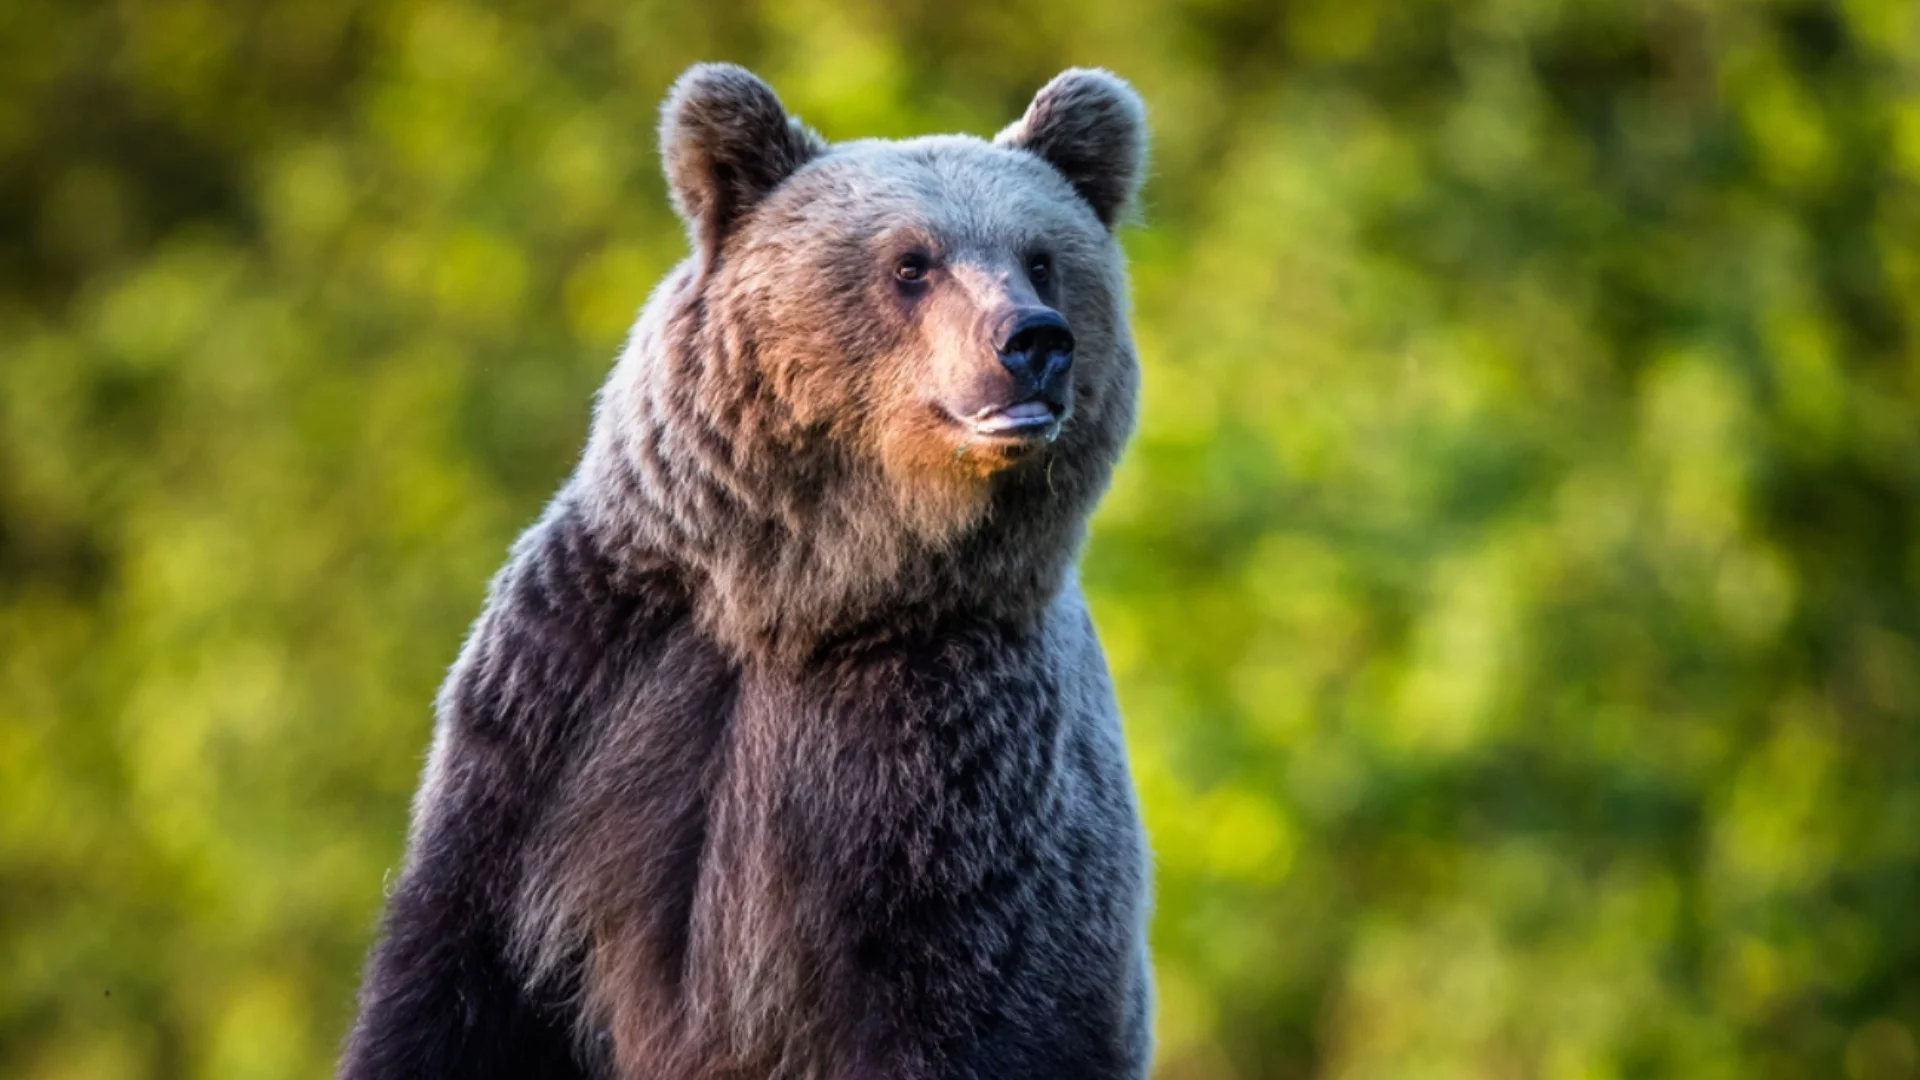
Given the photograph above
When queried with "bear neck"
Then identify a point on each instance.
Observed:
(787, 547)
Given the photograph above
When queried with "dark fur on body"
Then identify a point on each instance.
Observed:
(785, 747)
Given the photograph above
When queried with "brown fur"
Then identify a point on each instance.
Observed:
(785, 747)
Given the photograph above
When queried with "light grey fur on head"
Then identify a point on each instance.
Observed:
(1090, 125)
(770, 424)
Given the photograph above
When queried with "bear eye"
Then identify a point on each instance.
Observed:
(911, 268)
(1040, 269)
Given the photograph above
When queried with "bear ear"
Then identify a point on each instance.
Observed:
(1090, 125)
(726, 142)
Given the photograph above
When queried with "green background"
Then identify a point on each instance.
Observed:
(1514, 589)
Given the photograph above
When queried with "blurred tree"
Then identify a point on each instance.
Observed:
(1514, 589)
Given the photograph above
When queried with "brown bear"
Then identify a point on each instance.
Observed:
(784, 746)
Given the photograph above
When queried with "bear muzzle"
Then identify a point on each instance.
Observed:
(1036, 351)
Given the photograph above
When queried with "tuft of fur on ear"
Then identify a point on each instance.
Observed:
(726, 142)
(1090, 125)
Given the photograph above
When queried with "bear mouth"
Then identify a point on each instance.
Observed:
(1022, 421)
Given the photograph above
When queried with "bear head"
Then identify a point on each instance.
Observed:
(893, 377)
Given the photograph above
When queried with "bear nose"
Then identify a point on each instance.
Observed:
(1038, 348)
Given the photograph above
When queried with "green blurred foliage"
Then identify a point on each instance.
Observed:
(1514, 590)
